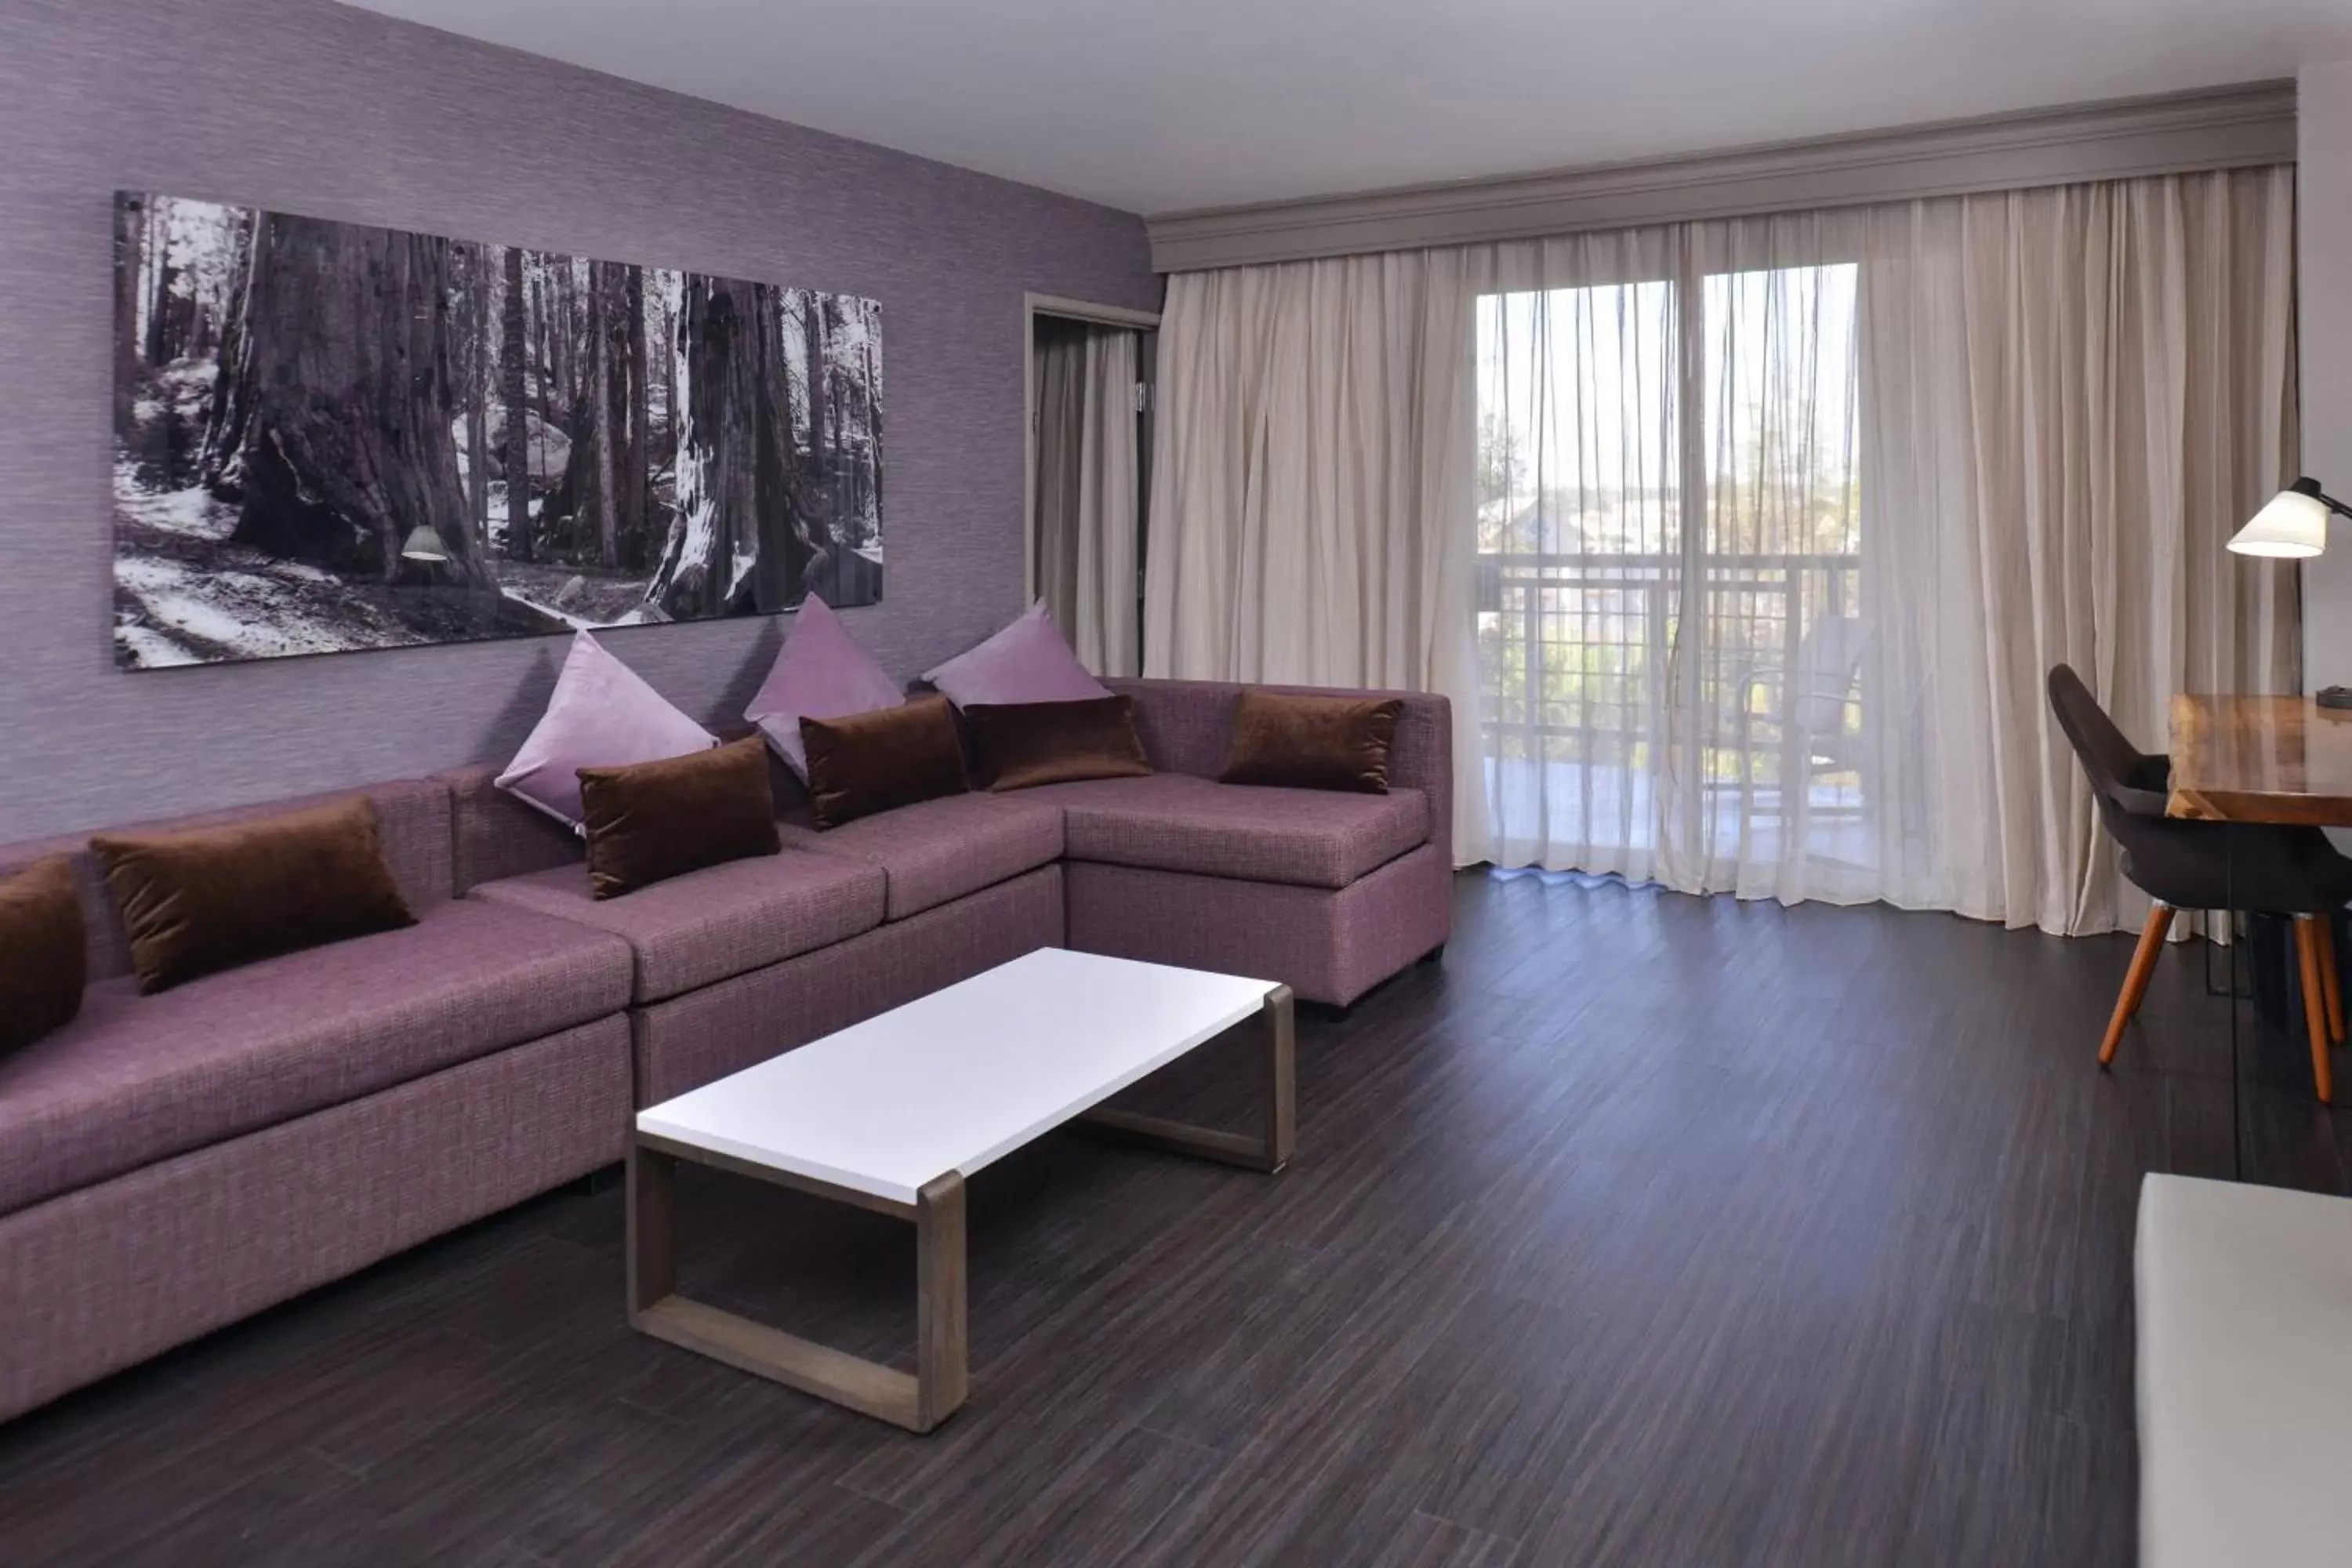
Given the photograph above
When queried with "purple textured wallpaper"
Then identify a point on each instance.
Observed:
(314, 107)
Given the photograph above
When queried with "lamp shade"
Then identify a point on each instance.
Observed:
(2293, 523)
(425, 544)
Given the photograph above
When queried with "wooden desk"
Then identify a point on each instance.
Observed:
(2279, 759)
(2260, 759)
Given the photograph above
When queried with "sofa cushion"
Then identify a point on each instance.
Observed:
(137, 1079)
(213, 897)
(941, 849)
(1175, 822)
(1300, 742)
(707, 925)
(603, 714)
(1021, 746)
(652, 821)
(43, 952)
(412, 818)
(862, 764)
(821, 673)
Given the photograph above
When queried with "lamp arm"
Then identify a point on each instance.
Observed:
(2310, 487)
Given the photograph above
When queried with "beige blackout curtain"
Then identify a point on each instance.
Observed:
(1743, 547)
(1088, 488)
(1312, 463)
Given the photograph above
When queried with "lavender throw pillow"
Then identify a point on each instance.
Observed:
(821, 673)
(1026, 662)
(602, 715)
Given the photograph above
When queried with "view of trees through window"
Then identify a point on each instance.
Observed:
(1615, 620)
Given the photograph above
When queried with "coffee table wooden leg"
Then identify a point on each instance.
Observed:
(1281, 1078)
(653, 1240)
(1270, 1147)
(941, 1380)
(943, 1341)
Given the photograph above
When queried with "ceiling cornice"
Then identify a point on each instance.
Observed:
(2215, 128)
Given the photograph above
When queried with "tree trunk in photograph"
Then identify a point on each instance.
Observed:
(636, 521)
(731, 458)
(590, 494)
(813, 327)
(542, 360)
(871, 502)
(160, 349)
(599, 390)
(812, 518)
(777, 569)
(225, 429)
(349, 444)
(513, 349)
(477, 397)
(130, 229)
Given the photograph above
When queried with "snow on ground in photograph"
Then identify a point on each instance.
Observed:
(151, 649)
(577, 622)
(248, 606)
(193, 511)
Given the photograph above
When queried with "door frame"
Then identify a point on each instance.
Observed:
(1033, 305)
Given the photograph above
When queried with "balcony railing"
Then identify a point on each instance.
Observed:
(1585, 660)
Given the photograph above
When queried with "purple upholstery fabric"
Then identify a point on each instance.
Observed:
(138, 1078)
(601, 715)
(941, 849)
(1326, 947)
(112, 1274)
(685, 1043)
(411, 817)
(821, 673)
(707, 925)
(1187, 726)
(1315, 838)
(1028, 661)
(493, 836)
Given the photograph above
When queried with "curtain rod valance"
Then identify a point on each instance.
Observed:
(2216, 128)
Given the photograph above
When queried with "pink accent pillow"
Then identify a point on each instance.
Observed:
(821, 673)
(1026, 662)
(603, 715)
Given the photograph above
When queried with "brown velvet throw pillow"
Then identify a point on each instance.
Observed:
(43, 952)
(1018, 744)
(653, 821)
(1313, 742)
(868, 762)
(215, 898)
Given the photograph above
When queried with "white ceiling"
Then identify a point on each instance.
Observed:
(1156, 105)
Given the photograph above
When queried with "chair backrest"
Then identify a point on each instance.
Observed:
(1829, 664)
(2124, 778)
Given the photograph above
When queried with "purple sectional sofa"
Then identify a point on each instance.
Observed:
(170, 1163)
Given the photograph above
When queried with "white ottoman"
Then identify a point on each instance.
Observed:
(2244, 1298)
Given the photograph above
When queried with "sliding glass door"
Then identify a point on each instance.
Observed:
(1672, 629)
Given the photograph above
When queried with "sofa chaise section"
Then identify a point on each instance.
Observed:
(1329, 893)
(171, 1163)
(1175, 822)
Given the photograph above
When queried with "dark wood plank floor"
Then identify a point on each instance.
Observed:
(1647, 1229)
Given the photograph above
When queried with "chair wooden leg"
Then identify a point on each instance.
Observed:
(2307, 938)
(2331, 984)
(2143, 966)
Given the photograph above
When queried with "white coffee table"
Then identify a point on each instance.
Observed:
(894, 1113)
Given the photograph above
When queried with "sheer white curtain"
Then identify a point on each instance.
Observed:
(1777, 523)
(1088, 488)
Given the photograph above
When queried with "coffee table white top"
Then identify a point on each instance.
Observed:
(960, 1078)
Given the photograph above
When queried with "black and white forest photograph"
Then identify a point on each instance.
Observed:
(332, 436)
